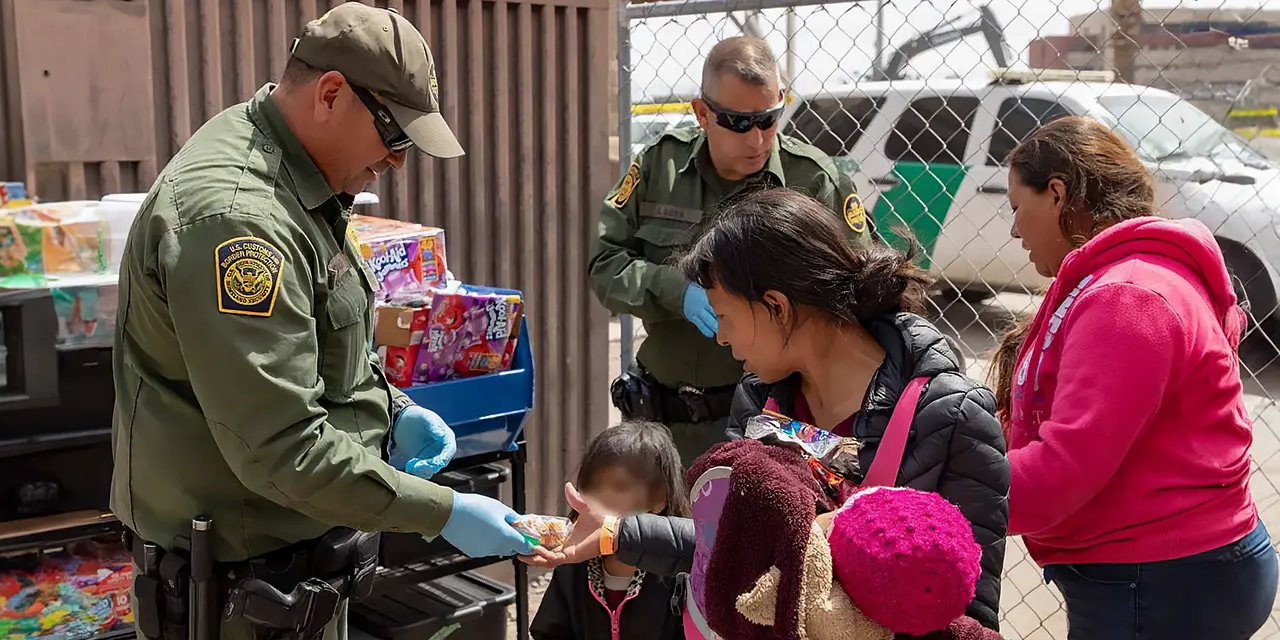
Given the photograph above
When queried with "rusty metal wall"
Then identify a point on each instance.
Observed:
(526, 88)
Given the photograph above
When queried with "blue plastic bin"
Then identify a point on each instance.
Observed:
(487, 413)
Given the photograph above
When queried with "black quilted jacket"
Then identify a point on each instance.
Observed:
(956, 447)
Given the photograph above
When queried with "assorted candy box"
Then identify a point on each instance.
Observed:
(74, 594)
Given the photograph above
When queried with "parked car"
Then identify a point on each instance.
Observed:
(930, 155)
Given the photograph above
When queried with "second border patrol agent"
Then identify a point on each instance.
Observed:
(245, 387)
(684, 379)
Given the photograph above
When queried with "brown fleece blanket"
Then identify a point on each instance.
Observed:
(765, 523)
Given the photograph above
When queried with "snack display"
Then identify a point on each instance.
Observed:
(74, 594)
(86, 315)
(833, 459)
(467, 335)
(549, 532)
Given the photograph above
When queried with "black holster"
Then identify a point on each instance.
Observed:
(292, 593)
(638, 396)
(285, 603)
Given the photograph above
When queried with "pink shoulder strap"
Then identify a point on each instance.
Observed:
(888, 460)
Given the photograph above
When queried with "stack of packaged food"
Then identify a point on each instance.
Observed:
(427, 326)
(77, 593)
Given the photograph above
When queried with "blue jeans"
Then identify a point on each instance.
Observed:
(1223, 594)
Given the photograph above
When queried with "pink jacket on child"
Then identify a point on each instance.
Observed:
(1128, 436)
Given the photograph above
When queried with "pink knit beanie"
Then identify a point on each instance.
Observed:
(906, 558)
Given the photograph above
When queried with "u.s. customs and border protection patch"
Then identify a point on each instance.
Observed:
(628, 185)
(855, 215)
(248, 276)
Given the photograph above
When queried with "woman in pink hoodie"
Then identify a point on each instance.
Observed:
(1127, 430)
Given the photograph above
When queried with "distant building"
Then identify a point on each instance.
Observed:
(1210, 57)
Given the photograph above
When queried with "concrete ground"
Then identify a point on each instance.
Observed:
(1031, 609)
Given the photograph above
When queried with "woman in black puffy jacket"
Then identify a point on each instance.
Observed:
(827, 334)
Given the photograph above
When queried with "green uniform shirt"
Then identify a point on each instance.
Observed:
(653, 211)
(245, 387)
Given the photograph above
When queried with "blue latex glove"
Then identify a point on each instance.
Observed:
(480, 527)
(421, 443)
(698, 310)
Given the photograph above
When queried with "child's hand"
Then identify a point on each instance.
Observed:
(584, 541)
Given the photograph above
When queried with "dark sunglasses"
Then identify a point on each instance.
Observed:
(392, 135)
(740, 122)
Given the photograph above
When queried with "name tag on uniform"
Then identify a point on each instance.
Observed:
(670, 212)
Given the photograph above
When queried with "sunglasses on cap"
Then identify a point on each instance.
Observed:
(742, 122)
(392, 135)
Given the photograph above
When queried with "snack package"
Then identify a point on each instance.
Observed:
(467, 335)
(13, 249)
(14, 194)
(86, 314)
(397, 265)
(833, 459)
(548, 532)
(63, 237)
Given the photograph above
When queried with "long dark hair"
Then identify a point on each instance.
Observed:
(785, 241)
(1106, 183)
(646, 450)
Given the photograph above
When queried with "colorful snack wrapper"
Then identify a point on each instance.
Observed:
(548, 532)
(833, 459)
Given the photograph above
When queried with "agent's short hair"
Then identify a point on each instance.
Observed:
(746, 58)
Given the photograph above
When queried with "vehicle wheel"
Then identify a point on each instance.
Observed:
(1257, 296)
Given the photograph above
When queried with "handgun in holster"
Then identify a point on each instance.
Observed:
(636, 396)
(344, 564)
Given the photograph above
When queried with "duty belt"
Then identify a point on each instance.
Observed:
(290, 593)
(639, 396)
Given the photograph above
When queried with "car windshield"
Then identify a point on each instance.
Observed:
(1167, 127)
(647, 129)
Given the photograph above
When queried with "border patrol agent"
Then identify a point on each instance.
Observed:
(683, 378)
(246, 391)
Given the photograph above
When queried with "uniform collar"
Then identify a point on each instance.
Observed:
(700, 158)
(313, 189)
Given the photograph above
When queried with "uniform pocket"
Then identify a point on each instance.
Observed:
(345, 359)
(661, 238)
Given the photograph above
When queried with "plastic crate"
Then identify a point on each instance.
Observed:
(398, 610)
(486, 413)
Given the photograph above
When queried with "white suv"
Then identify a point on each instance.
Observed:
(929, 155)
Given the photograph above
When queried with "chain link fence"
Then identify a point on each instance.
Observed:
(902, 95)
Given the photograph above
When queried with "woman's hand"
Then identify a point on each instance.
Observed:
(583, 543)
(824, 521)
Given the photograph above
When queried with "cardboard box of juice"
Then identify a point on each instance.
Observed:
(397, 334)
(468, 335)
(54, 238)
(407, 259)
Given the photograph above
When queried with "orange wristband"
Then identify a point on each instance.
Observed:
(608, 534)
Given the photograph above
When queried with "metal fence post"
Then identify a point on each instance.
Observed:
(625, 321)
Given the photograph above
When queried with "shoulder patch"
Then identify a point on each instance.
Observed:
(855, 215)
(628, 186)
(248, 276)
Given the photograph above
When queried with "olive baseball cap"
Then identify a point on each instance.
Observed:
(380, 51)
